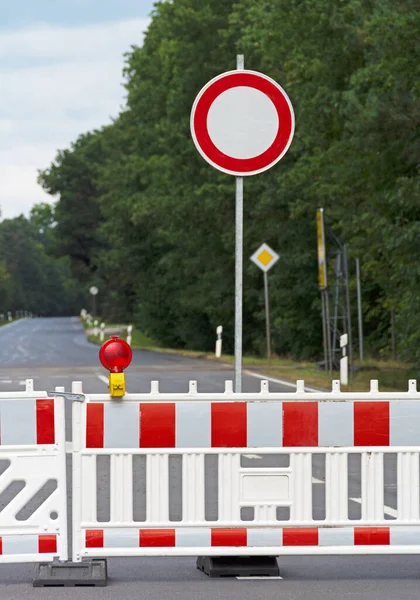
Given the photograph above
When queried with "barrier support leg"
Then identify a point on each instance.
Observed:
(238, 566)
(91, 573)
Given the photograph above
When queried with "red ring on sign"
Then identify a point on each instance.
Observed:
(284, 112)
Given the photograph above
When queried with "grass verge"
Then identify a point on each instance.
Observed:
(7, 322)
(359, 382)
(391, 375)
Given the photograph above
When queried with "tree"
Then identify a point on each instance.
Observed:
(141, 214)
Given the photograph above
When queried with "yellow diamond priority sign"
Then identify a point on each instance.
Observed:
(264, 257)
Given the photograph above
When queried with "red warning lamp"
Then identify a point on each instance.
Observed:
(115, 355)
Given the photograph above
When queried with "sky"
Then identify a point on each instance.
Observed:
(61, 67)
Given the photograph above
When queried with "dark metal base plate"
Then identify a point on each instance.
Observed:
(238, 566)
(69, 574)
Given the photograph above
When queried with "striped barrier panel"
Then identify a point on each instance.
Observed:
(319, 539)
(286, 467)
(33, 496)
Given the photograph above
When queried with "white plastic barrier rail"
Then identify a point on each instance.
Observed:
(33, 496)
(268, 452)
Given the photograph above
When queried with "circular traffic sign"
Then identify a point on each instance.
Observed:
(93, 290)
(115, 354)
(242, 122)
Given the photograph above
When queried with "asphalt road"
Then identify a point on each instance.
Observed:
(55, 352)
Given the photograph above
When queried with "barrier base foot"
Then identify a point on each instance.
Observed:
(71, 574)
(238, 566)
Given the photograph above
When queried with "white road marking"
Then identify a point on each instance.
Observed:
(391, 512)
(252, 456)
(102, 378)
(23, 382)
(22, 349)
(275, 380)
(315, 480)
(69, 447)
(267, 577)
(6, 381)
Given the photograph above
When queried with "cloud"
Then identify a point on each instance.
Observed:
(61, 43)
(57, 83)
(18, 183)
(76, 12)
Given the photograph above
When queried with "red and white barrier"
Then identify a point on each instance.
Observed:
(32, 442)
(249, 424)
(321, 538)
(232, 427)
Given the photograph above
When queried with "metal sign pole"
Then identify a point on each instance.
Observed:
(359, 310)
(324, 332)
(238, 281)
(93, 290)
(239, 219)
(247, 133)
(350, 340)
(328, 330)
(322, 277)
(267, 315)
(265, 258)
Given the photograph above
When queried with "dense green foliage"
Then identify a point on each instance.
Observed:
(32, 278)
(146, 219)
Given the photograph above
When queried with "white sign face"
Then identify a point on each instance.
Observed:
(93, 290)
(264, 257)
(242, 122)
(231, 129)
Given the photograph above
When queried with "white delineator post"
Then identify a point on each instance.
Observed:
(344, 361)
(239, 232)
(95, 331)
(219, 332)
(102, 332)
(129, 331)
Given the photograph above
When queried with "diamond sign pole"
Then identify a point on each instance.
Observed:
(265, 258)
(267, 315)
